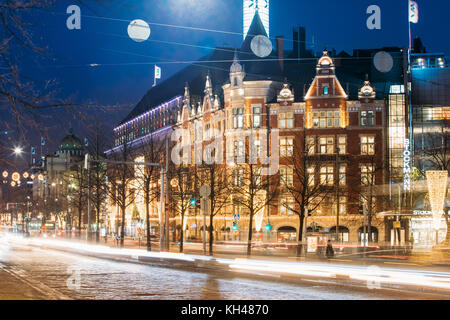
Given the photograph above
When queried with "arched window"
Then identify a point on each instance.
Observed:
(343, 233)
(373, 231)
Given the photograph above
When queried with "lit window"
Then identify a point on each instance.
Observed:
(325, 90)
(287, 206)
(286, 147)
(326, 119)
(311, 173)
(343, 175)
(367, 145)
(342, 144)
(286, 120)
(256, 117)
(326, 145)
(367, 175)
(238, 118)
(239, 151)
(327, 175)
(238, 177)
(287, 176)
(367, 118)
(310, 145)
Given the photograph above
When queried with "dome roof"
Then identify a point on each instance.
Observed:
(71, 142)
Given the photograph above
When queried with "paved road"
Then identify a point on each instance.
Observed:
(38, 273)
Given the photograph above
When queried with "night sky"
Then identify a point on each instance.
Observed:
(125, 71)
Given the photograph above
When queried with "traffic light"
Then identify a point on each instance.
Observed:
(194, 203)
(235, 227)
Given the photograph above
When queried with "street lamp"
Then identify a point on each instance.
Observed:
(18, 151)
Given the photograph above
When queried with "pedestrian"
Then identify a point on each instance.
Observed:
(330, 251)
(117, 240)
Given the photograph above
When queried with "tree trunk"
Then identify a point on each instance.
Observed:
(97, 231)
(250, 234)
(182, 233)
(79, 220)
(300, 234)
(147, 222)
(122, 227)
(211, 234)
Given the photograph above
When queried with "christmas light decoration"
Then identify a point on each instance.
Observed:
(437, 189)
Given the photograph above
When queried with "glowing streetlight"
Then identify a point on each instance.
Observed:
(18, 151)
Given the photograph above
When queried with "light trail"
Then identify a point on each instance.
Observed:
(381, 275)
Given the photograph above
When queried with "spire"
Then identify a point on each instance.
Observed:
(236, 66)
(208, 85)
(187, 95)
(256, 29)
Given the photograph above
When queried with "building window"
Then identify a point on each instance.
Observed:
(238, 177)
(326, 145)
(342, 175)
(287, 176)
(342, 205)
(286, 120)
(327, 175)
(257, 117)
(256, 149)
(237, 206)
(368, 145)
(367, 118)
(342, 144)
(367, 175)
(311, 179)
(207, 131)
(326, 119)
(239, 149)
(310, 145)
(325, 90)
(238, 118)
(286, 147)
(287, 206)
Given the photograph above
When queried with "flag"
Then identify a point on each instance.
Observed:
(413, 12)
(157, 72)
(86, 142)
(42, 141)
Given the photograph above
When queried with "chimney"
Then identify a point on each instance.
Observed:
(280, 51)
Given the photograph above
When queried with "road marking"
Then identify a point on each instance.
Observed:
(21, 275)
(343, 260)
(406, 263)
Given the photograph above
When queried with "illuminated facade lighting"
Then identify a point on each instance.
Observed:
(437, 189)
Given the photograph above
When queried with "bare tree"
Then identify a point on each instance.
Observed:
(152, 149)
(252, 191)
(182, 187)
(306, 190)
(121, 180)
(215, 176)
